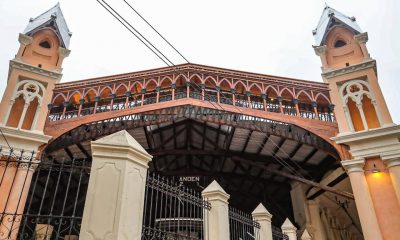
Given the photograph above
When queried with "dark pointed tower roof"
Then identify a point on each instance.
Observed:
(54, 19)
(331, 18)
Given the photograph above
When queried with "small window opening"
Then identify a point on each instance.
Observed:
(340, 43)
(40, 65)
(347, 64)
(45, 44)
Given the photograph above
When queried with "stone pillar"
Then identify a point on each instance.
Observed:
(24, 40)
(317, 226)
(263, 217)
(115, 195)
(63, 53)
(306, 235)
(365, 207)
(393, 165)
(289, 229)
(216, 224)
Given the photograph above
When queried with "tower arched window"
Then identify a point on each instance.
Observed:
(25, 105)
(359, 105)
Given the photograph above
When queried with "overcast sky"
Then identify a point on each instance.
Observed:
(271, 37)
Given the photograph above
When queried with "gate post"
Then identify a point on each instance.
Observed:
(263, 217)
(115, 196)
(289, 229)
(306, 235)
(216, 224)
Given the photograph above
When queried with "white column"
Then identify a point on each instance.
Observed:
(289, 229)
(263, 217)
(365, 207)
(5, 120)
(115, 196)
(37, 113)
(306, 235)
(216, 224)
(393, 164)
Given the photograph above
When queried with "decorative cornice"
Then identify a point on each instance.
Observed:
(391, 162)
(356, 165)
(361, 38)
(350, 69)
(15, 64)
(365, 135)
(24, 39)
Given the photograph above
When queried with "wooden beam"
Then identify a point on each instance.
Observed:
(299, 179)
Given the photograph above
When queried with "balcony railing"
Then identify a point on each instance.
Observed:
(322, 112)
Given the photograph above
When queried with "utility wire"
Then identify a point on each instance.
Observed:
(147, 22)
(274, 155)
(115, 14)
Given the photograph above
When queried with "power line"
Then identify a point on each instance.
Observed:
(282, 162)
(277, 158)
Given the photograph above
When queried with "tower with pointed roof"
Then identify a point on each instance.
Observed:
(364, 122)
(33, 74)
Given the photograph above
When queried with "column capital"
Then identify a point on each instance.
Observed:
(320, 50)
(214, 192)
(121, 145)
(261, 213)
(391, 162)
(361, 38)
(355, 165)
(24, 39)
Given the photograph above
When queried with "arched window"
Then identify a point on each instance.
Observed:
(359, 105)
(25, 105)
(45, 44)
(339, 43)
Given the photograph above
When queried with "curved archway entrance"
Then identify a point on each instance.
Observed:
(197, 145)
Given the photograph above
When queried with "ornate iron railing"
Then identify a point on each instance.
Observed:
(172, 211)
(286, 107)
(242, 226)
(278, 235)
(41, 199)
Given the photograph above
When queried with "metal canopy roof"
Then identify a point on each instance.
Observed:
(324, 26)
(53, 14)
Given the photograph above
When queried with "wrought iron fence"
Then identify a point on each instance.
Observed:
(172, 211)
(41, 199)
(242, 226)
(278, 235)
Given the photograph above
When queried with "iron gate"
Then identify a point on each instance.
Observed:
(41, 199)
(242, 226)
(172, 211)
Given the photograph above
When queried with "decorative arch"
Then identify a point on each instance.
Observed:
(210, 82)
(75, 97)
(166, 82)
(121, 89)
(25, 104)
(255, 89)
(286, 93)
(304, 96)
(90, 95)
(105, 92)
(225, 85)
(240, 87)
(359, 104)
(151, 85)
(136, 87)
(59, 99)
(271, 91)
